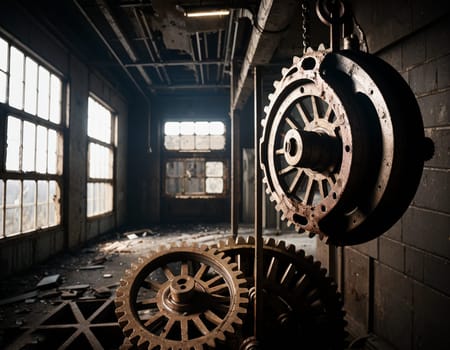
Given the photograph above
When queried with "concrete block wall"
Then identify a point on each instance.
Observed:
(398, 286)
(23, 251)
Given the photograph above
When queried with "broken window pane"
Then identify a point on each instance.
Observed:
(41, 150)
(214, 185)
(29, 146)
(43, 92)
(12, 207)
(31, 82)
(55, 99)
(54, 198)
(16, 78)
(42, 204)
(28, 205)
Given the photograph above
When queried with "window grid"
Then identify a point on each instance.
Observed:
(194, 136)
(29, 187)
(100, 185)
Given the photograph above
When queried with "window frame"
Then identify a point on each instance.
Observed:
(112, 146)
(25, 116)
(209, 155)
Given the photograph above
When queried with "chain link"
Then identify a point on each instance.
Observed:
(305, 25)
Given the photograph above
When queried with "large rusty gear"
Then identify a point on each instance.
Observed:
(302, 308)
(181, 298)
(342, 148)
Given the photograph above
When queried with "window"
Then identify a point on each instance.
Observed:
(194, 136)
(30, 189)
(100, 159)
(190, 177)
(195, 159)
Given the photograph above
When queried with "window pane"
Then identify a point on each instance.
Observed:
(187, 142)
(52, 151)
(217, 142)
(13, 144)
(100, 161)
(31, 79)
(99, 121)
(2, 184)
(16, 78)
(42, 204)
(29, 205)
(43, 92)
(12, 210)
(55, 99)
(175, 169)
(172, 128)
(90, 199)
(194, 185)
(201, 128)
(174, 185)
(3, 55)
(172, 142)
(216, 128)
(187, 128)
(41, 150)
(29, 146)
(54, 199)
(202, 142)
(3, 83)
(214, 169)
(195, 168)
(214, 185)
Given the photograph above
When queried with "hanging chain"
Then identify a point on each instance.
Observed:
(305, 25)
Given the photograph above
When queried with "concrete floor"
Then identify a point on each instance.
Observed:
(100, 265)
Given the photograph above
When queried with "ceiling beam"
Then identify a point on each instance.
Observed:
(271, 22)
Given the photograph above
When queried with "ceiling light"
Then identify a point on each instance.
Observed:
(207, 13)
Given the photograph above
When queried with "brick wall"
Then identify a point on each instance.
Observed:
(398, 286)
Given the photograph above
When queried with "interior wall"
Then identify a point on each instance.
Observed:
(23, 251)
(398, 286)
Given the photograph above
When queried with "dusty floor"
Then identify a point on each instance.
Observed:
(91, 275)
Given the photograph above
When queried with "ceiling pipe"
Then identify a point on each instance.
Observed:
(175, 63)
(153, 42)
(199, 53)
(121, 36)
(272, 19)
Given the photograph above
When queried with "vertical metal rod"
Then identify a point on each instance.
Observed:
(258, 302)
(235, 160)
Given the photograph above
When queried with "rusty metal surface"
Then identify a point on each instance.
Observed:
(185, 297)
(342, 146)
(301, 303)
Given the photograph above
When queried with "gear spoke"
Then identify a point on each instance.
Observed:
(200, 325)
(201, 271)
(145, 304)
(286, 170)
(302, 113)
(294, 184)
(291, 123)
(152, 285)
(168, 272)
(314, 107)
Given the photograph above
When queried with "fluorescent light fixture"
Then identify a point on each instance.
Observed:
(208, 13)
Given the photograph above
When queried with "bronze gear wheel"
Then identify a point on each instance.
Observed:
(302, 308)
(181, 298)
(342, 146)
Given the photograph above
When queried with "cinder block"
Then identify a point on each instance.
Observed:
(414, 263)
(433, 192)
(356, 293)
(393, 56)
(393, 312)
(423, 78)
(435, 109)
(413, 50)
(443, 72)
(441, 140)
(392, 253)
(430, 327)
(395, 232)
(437, 273)
(438, 38)
(370, 248)
(427, 230)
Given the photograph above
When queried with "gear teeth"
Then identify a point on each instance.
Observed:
(295, 59)
(276, 83)
(271, 198)
(291, 248)
(289, 223)
(311, 234)
(309, 49)
(251, 240)
(284, 71)
(282, 245)
(240, 240)
(321, 47)
(271, 242)
(266, 109)
(270, 97)
(263, 122)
